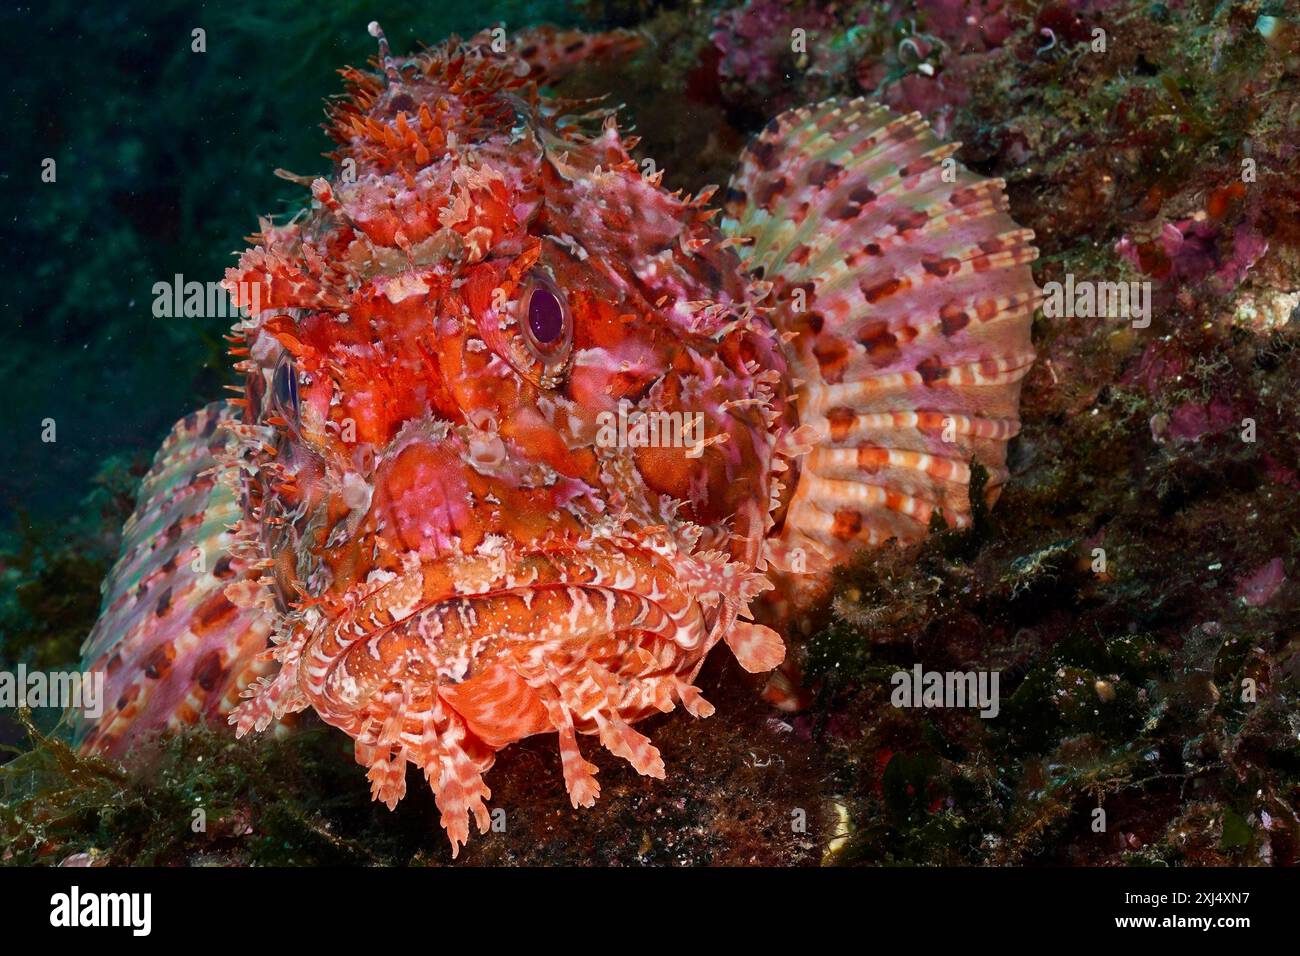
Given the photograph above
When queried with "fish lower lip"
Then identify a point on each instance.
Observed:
(435, 623)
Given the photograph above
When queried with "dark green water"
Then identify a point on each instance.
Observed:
(164, 160)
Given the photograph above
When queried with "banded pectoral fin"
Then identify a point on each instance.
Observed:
(184, 621)
(906, 296)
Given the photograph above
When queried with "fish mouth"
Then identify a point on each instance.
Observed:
(541, 615)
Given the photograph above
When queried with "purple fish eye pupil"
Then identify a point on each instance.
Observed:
(545, 316)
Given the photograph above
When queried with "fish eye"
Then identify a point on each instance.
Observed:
(284, 389)
(547, 325)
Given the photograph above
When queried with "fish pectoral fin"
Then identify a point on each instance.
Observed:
(186, 617)
(905, 297)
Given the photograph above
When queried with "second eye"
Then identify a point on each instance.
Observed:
(284, 390)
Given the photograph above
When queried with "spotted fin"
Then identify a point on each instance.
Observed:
(906, 296)
(173, 646)
(551, 53)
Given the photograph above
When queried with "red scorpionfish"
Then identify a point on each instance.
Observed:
(444, 514)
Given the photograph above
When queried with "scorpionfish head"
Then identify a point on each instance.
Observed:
(514, 426)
